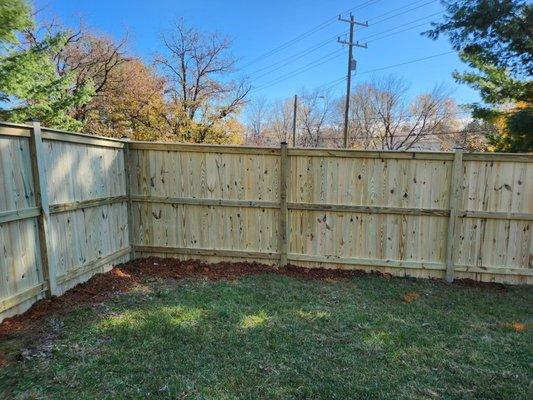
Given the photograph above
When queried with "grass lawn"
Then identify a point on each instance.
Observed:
(277, 337)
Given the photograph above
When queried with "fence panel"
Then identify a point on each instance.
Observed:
(494, 231)
(21, 269)
(84, 230)
(205, 201)
(88, 206)
(371, 212)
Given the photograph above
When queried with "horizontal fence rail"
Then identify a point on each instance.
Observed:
(73, 205)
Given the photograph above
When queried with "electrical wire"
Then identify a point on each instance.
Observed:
(317, 28)
(400, 13)
(297, 72)
(295, 57)
(400, 8)
(400, 26)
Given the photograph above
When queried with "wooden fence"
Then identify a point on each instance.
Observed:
(63, 212)
(71, 204)
(422, 214)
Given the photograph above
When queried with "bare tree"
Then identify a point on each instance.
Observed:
(196, 67)
(383, 118)
(314, 116)
(256, 114)
(280, 121)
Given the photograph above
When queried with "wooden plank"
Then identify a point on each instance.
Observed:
(494, 270)
(40, 184)
(14, 131)
(332, 259)
(368, 209)
(455, 195)
(92, 265)
(515, 216)
(10, 302)
(81, 139)
(499, 157)
(421, 155)
(17, 215)
(127, 177)
(207, 252)
(283, 220)
(205, 202)
(79, 205)
(204, 148)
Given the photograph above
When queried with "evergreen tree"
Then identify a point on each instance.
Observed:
(495, 39)
(30, 87)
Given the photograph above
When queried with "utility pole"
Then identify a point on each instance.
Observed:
(294, 120)
(351, 67)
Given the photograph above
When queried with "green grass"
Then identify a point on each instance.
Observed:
(275, 337)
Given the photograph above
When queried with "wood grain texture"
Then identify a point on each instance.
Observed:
(87, 190)
(385, 211)
(21, 268)
(79, 183)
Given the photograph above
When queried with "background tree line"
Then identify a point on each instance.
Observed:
(78, 79)
(381, 117)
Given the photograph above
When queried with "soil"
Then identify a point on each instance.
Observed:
(124, 277)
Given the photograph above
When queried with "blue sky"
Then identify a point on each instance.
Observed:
(258, 27)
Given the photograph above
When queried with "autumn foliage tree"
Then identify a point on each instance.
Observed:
(132, 104)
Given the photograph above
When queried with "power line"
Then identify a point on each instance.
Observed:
(317, 28)
(400, 8)
(298, 71)
(291, 59)
(294, 57)
(400, 26)
(398, 14)
(406, 62)
(340, 80)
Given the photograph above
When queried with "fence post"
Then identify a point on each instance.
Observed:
(283, 183)
(127, 182)
(41, 197)
(455, 195)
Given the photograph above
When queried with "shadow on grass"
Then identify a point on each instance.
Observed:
(277, 337)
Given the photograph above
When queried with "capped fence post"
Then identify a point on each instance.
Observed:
(455, 195)
(41, 196)
(283, 184)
